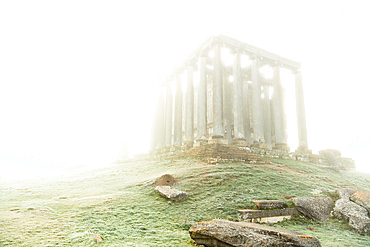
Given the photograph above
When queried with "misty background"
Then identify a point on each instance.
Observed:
(79, 79)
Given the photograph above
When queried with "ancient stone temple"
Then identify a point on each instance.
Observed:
(232, 104)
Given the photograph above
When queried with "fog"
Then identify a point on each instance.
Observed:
(78, 79)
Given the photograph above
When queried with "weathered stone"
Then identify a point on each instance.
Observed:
(361, 199)
(355, 214)
(222, 233)
(314, 208)
(251, 213)
(335, 152)
(360, 224)
(172, 194)
(345, 209)
(268, 216)
(165, 180)
(269, 204)
(345, 193)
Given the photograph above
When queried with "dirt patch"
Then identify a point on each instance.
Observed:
(166, 180)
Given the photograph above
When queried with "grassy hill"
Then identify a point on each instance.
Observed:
(118, 203)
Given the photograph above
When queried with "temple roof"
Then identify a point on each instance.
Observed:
(233, 44)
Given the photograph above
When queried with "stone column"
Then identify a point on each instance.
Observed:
(217, 93)
(161, 120)
(168, 135)
(238, 99)
(202, 100)
(278, 115)
(177, 136)
(189, 107)
(246, 120)
(301, 114)
(267, 115)
(256, 99)
(227, 106)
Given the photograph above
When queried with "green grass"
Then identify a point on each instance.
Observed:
(112, 202)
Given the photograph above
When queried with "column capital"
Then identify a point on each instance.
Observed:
(203, 53)
(255, 56)
(275, 64)
(236, 51)
(191, 64)
(296, 71)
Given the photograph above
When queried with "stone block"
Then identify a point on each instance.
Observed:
(252, 214)
(270, 204)
(218, 141)
(199, 143)
(345, 209)
(171, 194)
(361, 199)
(268, 216)
(281, 146)
(316, 208)
(345, 193)
(222, 233)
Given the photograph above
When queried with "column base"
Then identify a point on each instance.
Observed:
(200, 143)
(188, 144)
(165, 150)
(175, 148)
(217, 137)
(281, 146)
(218, 141)
(261, 145)
(303, 150)
(240, 143)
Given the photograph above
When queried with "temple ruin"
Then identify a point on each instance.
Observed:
(229, 104)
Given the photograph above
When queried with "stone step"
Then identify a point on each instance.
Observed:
(269, 204)
(268, 216)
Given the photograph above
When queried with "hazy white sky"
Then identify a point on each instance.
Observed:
(78, 76)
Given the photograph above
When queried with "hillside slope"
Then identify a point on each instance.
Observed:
(118, 202)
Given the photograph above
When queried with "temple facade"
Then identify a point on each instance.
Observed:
(228, 104)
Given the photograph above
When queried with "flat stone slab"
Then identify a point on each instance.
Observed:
(223, 233)
(171, 194)
(252, 214)
(270, 204)
(268, 216)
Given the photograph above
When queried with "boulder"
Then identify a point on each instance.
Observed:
(345, 193)
(171, 194)
(361, 199)
(270, 204)
(223, 233)
(344, 209)
(166, 180)
(355, 214)
(314, 207)
(360, 224)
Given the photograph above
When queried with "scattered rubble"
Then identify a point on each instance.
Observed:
(354, 208)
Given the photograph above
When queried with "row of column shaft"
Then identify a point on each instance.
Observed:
(266, 115)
